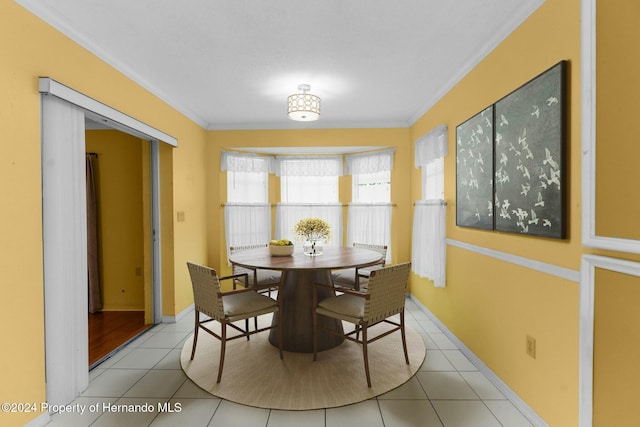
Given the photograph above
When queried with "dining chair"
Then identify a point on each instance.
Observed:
(355, 278)
(226, 308)
(256, 276)
(384, 298)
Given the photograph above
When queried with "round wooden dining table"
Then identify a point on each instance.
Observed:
(299, 273)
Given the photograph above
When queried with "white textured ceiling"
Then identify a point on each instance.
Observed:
(230, 64)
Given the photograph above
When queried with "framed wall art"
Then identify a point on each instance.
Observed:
(474, 171)
(529, 172)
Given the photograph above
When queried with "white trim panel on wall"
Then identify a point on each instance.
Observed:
(543, 267)
(587, 305)
(588, 53)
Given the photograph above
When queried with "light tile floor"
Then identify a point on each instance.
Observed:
(447, 391)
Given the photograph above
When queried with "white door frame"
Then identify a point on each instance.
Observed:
(57, 349)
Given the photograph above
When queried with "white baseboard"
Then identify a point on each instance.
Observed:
(179, 316)
(529, 413)
(40, 421)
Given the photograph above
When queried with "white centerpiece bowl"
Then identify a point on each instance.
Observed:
(276, 250)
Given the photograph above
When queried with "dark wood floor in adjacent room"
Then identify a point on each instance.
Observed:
(110, 329)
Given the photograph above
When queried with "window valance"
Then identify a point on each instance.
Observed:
(369, 162)
(245, 162)
(431, 146)
(309, 166)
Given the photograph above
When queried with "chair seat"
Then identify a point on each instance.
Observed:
(246, 305)
(345, 278)
(266, 277)
(345, 307)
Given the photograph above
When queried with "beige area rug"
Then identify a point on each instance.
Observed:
(254, 375)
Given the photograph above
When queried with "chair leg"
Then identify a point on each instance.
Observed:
(223, 345)
(404, 337)
(280, 337)
(314, 317)
(246, 326)
(195, 335)
(365, 353)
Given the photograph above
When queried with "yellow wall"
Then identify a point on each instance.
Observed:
(616, 352)
(189, 239)
(618, 89)
(119, 183)
(616, 346)
(400, 177)
(492, 305)
(30, 49)
(489, 304)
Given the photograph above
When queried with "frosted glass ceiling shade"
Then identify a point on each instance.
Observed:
(304, 107)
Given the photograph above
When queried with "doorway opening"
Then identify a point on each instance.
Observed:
(119, 239)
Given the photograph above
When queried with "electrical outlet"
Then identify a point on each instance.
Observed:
(531, 346)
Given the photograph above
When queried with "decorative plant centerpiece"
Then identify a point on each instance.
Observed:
(282, 247)
(313, 230)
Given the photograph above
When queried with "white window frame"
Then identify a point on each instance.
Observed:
(309, 189)
(433, 180)
(369, 214)
(247, 187)
(379, 182)
(428, 247)
(307, 172)
(247, 219)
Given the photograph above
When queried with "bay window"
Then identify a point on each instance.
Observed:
(247, 213)
(369, 213)
(309, 188)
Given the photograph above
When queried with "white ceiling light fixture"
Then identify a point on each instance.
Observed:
(304, 107)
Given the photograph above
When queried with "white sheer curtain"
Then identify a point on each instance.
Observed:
(64, 233)
(308, 166)
(370, 222)
(246, 223)
(431, 146)
(288, 214)
(428, 254)
(369, 162)
(245, 162)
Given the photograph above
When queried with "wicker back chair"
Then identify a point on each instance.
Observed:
(226, 307)
(256, 277)
(355, 278)
(384, 298)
